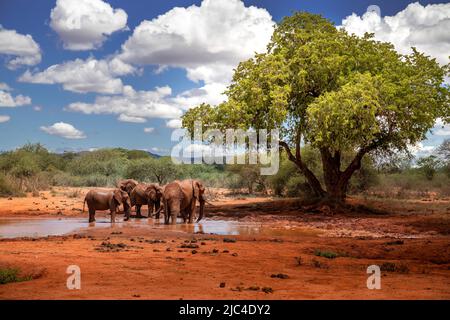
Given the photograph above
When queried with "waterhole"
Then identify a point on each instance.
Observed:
(42, 227)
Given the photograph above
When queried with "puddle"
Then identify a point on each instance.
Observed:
(227, 227)
(13, 227)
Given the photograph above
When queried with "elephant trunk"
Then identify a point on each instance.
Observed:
(202, 205)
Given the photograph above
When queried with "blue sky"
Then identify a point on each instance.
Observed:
(63, 113)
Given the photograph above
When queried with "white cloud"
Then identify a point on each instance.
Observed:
(149, 130)
(125, 118)
(64, 130)
(22, 49)
(8, 100)
(208, 41)
(85, 24)
(37, 108)
(83, 76)
(424, 27)
(132, 105)
(420, 150)
(173, 124)
(4, 118)
(4, 87)
(441, 128)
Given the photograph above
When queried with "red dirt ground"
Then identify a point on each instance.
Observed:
(413, 235)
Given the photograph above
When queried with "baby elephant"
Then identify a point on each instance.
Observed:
(107, 200)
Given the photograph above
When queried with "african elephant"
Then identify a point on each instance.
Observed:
(146, 194)
(193, 191)
(180, 197)
(127, 185)
(107, 200)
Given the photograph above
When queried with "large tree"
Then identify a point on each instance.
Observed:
(336, 92)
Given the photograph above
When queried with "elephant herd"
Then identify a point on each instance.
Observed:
(178, 198)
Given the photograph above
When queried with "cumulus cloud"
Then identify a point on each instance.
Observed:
(21, 49)
(4, 87)
(126, 118)
(4, 118)
(64, 130)
(83, 76)
(420, 150)
(173, 123)
(85, 24)
(149, 130)
(424, 27)
(208, 41)
(8, 100)
(132, 105)
(441, 128)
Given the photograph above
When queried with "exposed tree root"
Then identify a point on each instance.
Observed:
(328, 206)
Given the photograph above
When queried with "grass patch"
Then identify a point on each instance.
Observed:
(326, 254)
(392, 267)
(8, 275)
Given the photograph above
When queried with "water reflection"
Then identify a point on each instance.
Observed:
(13, 227)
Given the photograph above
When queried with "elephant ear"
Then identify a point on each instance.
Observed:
(198, 189)
(118, 195)
(149, 190)
(130, 186)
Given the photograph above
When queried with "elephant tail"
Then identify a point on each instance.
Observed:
(84, 202)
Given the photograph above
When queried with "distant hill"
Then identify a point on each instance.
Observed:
(130, 153)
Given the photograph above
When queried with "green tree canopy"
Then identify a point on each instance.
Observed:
(335, 92)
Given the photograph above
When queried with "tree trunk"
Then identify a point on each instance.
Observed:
(312, 180)
(336, 181)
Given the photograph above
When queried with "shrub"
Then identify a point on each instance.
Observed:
(326, 254)
(8, 275)
(8, 187)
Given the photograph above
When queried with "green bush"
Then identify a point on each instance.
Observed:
(8, 275)
(8, 187)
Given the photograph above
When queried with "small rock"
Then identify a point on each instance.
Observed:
(280, 276)
(267, 290)
(222, 285)
(229, 240)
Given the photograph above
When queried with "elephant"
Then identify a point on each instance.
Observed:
(104, 200)
(146, 194)
(180, 197)
(127, 185)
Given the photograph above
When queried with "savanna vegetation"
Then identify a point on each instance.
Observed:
(348, 108)
(32, 168)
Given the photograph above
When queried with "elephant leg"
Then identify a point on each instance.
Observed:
(138, 211)
(166, 212)
(150, 209)
(127, 215)
(91, 215)
(113, 215)
(191, 211)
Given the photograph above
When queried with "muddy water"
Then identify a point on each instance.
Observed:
(41, 227)
(14, 227)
